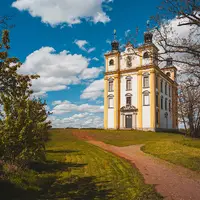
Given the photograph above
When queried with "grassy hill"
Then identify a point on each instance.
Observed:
(174, 148)
(76, 170)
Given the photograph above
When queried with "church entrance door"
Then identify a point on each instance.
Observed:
(128, 121)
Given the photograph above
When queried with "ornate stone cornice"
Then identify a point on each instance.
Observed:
(128, 108)
(154, 69)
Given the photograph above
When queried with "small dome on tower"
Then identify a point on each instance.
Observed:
(148, 37)
(169, 62)
(115, 43)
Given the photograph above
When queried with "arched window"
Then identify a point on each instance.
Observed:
(166, 104)
(111, 62)
(161, 102)
(146, 99)
(145, 55)
(111, 101)
(110, 85)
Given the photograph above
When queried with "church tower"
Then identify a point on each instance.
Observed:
(112, 86)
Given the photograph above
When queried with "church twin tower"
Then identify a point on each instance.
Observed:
(138, 94)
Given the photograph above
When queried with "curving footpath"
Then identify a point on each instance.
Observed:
(171, 181)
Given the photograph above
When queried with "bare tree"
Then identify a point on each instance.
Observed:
(189, 108)
(177, 35)
(4, 22)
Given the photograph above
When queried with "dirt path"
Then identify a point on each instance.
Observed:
(171, 181)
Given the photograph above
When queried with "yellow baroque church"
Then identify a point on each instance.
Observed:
(138, 94)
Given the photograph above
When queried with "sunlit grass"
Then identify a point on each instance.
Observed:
(131, 137)
(176, 152)
(174, 148)
(77, 170)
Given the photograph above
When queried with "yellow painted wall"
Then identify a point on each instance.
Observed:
(105, 103)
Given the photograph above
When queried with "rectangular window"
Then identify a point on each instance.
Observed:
(146, 100)
(157, 121)
(156, 82)
(161, 85)
(169, 91)
(128, 101)
(166, 88)
(165, 104)
(169, 106)
(161, 103)
(110, 102)
(146, 82)
(110, 86)
(128, 85)
(157, 100)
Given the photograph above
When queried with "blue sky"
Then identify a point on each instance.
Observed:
(64, 42)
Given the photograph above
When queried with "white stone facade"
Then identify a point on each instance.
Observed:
(133, 84)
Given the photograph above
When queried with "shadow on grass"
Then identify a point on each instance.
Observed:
(42, 183)
(61, 151)
(73, 188)
(78, 188)
(53, 166)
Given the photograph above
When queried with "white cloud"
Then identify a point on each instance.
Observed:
(91, 72)
(82, 45)
(177, 35)
(101, 17)
(56, 70)
(55, 12)
(67, 107)
(83, 120)
(94, 90)
(91, 49)
(95, 58)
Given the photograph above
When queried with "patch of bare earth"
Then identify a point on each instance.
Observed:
(171, 181)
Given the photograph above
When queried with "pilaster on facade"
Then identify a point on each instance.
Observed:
(159, 99)
(105, 103)
(153, 98)
(117, 101)
(139, 101)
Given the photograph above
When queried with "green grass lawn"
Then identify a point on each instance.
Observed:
(174, 148)
(76, 170)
